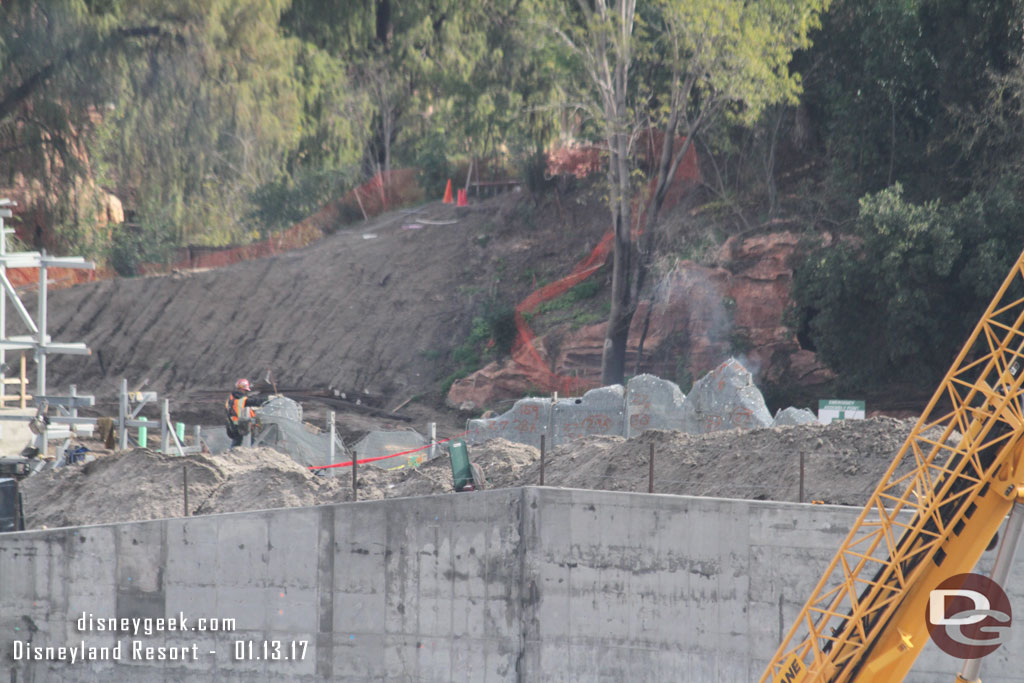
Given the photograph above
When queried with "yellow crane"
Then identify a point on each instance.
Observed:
(936, 509)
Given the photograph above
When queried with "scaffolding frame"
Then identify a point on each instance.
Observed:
(38, 341)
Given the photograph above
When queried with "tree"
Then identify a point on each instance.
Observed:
(190, 111)
(888, 83)
(701, 58)
(201, 123)
(894, 305)
(54, 83)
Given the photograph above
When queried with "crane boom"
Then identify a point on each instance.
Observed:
(931, 517)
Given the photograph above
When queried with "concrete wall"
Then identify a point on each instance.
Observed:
(509, 585)
(414, 589)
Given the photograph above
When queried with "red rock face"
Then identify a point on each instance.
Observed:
(701, 315)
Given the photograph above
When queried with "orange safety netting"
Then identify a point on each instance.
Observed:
(581, 162)
(376, 195)
(525, 352)
(385, 191)
(58, 278)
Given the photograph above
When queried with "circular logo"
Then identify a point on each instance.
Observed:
(968, 616)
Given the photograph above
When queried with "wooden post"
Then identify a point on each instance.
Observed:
(184, 479)
(331, 432)
(433, 440)
(24, 382)
(541, 459)
(165, 418)
(650, 473)
(355, 463)
(122, 415)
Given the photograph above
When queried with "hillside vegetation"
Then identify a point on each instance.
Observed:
(887, 132)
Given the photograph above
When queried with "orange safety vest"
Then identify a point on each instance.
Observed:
(235, 406)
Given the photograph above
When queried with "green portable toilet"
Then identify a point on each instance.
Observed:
(462, 472)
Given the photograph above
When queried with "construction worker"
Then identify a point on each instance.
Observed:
(239, 409)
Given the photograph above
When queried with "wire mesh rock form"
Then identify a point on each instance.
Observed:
(284, 430)
(376, 444)
(280, 407)
(725, 398)
(794, 416)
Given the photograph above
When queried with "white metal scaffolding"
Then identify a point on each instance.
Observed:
(37, 341)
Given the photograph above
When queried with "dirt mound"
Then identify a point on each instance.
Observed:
(263, 479)
(843, 463)
(142, 484)
(503, 462)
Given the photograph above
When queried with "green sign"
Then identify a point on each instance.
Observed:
(830, 409)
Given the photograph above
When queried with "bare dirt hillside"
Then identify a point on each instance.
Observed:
(843, 463)
(376, 307)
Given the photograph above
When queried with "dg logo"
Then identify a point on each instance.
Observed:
(968, 616)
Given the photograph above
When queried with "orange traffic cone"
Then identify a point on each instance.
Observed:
(448, 192)
(463, 200)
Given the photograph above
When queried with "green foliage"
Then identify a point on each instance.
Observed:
(431, 157)
(220, 113)
(683, 376)
(284, 202)
(135, 244)
(896, 304)
(491, 336)
(740, 342)
(580, 292)
(889, 83)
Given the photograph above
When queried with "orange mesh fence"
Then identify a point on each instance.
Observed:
(385, 191)
(192, 257)
(525, 352)
(376, 195)
(58, 278)
(582, 161)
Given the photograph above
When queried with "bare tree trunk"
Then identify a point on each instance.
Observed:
(613, 357)
(643, 337)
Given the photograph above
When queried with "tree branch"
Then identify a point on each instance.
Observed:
(28, 86)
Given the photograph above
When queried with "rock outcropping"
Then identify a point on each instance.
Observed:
(700, 315)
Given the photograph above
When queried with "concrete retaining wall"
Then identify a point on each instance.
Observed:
(529, 584)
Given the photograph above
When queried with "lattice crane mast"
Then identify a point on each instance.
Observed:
(931, 517)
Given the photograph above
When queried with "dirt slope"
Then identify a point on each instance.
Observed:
(375, 307)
